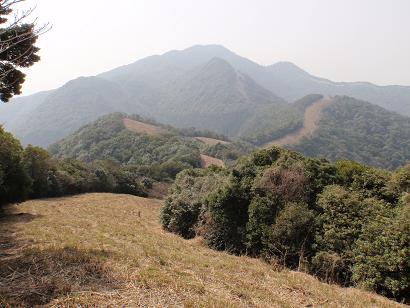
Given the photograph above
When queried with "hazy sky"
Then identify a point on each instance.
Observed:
(343, 40)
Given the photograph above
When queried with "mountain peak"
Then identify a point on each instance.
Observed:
(202, 49)
(287, 67)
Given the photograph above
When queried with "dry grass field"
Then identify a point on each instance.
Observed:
(143, 128)
(104, 250)
(207, 161)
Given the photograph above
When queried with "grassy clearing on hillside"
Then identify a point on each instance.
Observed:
(110, 250)
(207, 161)
(143, 128)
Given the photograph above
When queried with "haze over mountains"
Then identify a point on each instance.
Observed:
(208, 87)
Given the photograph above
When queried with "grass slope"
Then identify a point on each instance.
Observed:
(207, 161)
(109, 250)
(143, 128)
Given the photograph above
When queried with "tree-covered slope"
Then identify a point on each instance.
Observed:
(202, 86)
(66, 109)
(214, 96)
(352, 129)
(160, 155)
(284, 79)
(291, 83)
(274, 122)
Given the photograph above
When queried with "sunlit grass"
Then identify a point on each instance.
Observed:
(110, 250)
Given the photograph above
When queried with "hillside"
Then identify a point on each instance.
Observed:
(336, 128)
(213, 96)
(284, 79)
(64, 110)
(356, 130)
(275, 123)
(292, 83)
(208, 87)
(153, 149)
(90, 260)
(143, 128)
(312, 116)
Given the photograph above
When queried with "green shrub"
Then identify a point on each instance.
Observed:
(186, 201)
(382, 255)
(345, 222)
(291, 235)
(14, 181)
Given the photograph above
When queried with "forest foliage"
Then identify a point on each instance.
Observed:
(356, 130)
(348, 129)
(160, 156)
(345, 222)
(278, 121)
(33, 173)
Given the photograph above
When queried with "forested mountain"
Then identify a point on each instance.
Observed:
(273, 123)
(214, 96)
(291, 83)
(63, 110)
(152, 149)
(13, 114)
(341, 128)
(356, 130)
(205, 86)
(283, 78)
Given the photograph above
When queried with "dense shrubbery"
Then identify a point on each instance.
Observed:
(33, 173)
(345, 222)
(186, 199)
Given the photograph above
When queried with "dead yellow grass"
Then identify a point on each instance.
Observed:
(105, 250)
(211, 141)
(143, 128)
(207, 161)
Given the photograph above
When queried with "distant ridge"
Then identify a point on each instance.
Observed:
(206, 86)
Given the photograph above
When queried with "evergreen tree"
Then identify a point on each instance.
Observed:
(17, 48)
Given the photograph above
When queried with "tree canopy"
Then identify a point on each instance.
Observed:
(17, 47)
(346, 223)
